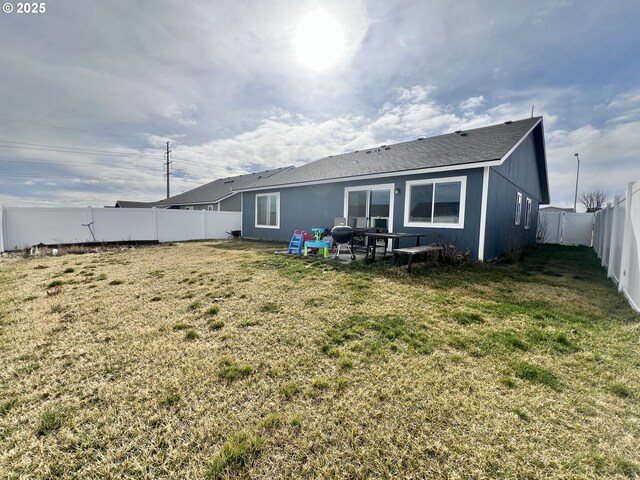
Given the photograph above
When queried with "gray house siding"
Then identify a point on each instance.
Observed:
(306, 207)
(231, 204)
(519, 173)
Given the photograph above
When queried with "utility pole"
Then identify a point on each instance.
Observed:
(575, 199)
(168, 173)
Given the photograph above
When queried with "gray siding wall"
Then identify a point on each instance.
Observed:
(317, 205)
(199, 207)
(519, 173)
(231, 204)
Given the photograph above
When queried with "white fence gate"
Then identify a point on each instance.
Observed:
(21, 227)
(565, 228)
(617, 242)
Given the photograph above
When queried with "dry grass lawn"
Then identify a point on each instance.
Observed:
(220, 359)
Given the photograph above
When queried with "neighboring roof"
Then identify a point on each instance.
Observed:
(462, 148)
(556, 209)
(129, 204)
(218, 190)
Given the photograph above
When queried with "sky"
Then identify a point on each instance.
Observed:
(90, 92)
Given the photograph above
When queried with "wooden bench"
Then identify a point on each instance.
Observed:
(411, 251)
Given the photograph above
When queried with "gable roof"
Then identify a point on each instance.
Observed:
(217, 190)
(463, 149)
(133, 204)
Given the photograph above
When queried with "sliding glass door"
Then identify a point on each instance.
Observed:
(369, 206)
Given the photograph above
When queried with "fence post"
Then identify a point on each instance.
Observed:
(204, 224)
(154, 222)
(3, 230)
(626, 240)
(607, 236)
(614, 237)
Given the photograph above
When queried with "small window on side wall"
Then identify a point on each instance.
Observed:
(518, 208)
(527, 214)
(268, 210)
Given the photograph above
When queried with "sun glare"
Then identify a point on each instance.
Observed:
(319, 40)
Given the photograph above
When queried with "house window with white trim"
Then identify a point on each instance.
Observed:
(518, 208)
(527, 214)
(188, 207)
(435, 203)
(268, 210)
(212, 208)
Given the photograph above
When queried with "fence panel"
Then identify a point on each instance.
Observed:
(31, 226)
(177, 225)
(123, 224)
(617, 242)
(22, 227)
(577, 229)
(566, 228)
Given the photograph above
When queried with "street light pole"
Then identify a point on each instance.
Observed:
(575, 199)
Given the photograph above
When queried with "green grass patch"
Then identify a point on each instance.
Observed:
(181, 326)
(191, 335)
(195, 305)
(468, 318)
(51, 420)
(7, 404)
(215, 323)
(212, 310)
(69, 270)
(271, 421)
(55, 283)
(620, 390)
(230, 371)
(290, 389)
(269, 307)
(116, 281)
(237, 453)
(537, 374)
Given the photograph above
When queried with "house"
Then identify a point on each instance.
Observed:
(478, 189)
(219, 195)
(552, 209)
(133, 204)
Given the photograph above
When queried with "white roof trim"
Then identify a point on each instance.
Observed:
(502, 160)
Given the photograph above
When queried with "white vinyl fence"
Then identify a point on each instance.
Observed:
(565, 228)
(21, 227)
(617, 242)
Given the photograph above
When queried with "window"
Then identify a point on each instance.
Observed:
(527, 214)
(518, 207)
(188, 207)
(211, 208)
(268, 210)
(435, 203)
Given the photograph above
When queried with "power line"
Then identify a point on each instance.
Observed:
(82, 177)
(56, 127)
(73, 150)
(60, 163)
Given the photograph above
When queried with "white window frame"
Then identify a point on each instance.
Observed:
(435, 181)
(527, 213)
(212, 208)
(518, 208)
(270, 194)
(383, 186)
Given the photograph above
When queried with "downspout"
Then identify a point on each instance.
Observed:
(483, 213)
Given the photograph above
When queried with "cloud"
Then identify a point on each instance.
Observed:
(472, 103)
